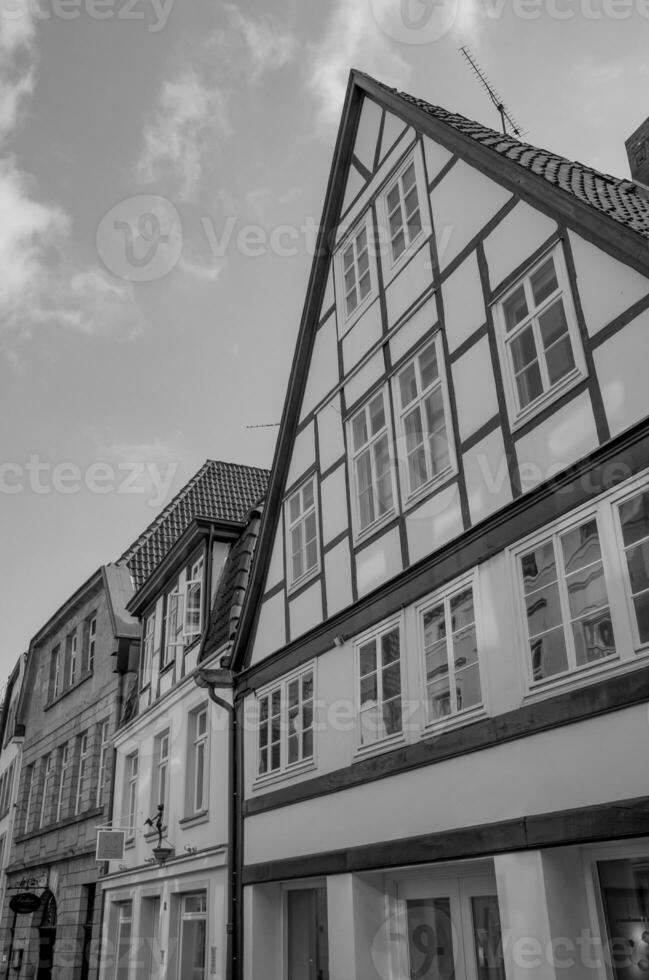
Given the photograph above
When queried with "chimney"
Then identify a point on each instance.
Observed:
(637, 149)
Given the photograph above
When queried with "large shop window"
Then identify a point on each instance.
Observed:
(193, 936)
(307, 934)
(123, 944)
(624, 887)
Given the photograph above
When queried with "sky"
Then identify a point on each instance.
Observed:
(163, 165)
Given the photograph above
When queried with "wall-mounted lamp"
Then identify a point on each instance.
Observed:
(339, 640)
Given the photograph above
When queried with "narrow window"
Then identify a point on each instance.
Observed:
(131, 790)
(379, 667)
(48, 777)
(55, 673)
(64, 766)
(89, 638)
(104, 752)
(193, 936)
(123, 945)
(72, 658)
(357, 278)
(302, 522)
(634, 520)
(193, 601)
(451, 655)
(162, 770)
(403, 212)
(269, 732)
(147, 649)
(174, 625)
(422, 416)
(371, 463)
(29, 794)
(200, 760)
(83, 775)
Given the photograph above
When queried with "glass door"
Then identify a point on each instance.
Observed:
(450, 928)
(307, 938)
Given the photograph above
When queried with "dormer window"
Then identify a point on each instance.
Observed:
(355, 266)
(183, 616)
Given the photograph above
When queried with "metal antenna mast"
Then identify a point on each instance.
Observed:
(506, 117)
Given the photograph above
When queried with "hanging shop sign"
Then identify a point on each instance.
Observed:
(24, 902)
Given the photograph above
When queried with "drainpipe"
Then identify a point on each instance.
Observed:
(211, 679)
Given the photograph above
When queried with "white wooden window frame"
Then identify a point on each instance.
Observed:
(444, 596)
(131, 786)
(304, 761)
(30, 781)
(64, 767)
(390, 264)
(520, 415)
(104, 749)
(300, 521)
(74, 652)
(162, 757)
(148, 646)
(355, 454)
(48, 779)
(376, 633)
(83, 774)
(198, 761)
(637, 487)
(193, 588)
(440, 384)
(56, 671)
(92, 641)
(174, 624)
(348, 319)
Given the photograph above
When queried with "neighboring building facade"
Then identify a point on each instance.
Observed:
(173, 747)
(442, 662)
(11, 740)
(68, 711)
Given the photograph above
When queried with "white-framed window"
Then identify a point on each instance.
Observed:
(64, 768)
(633, 517)
(403, 207)
(148, 645)
(55, 673)
(197, 768)
(193, 935)
(123, 945)
(194, 601)
(104, 753)
(72, 643)
(355, 268)
(30, 781)
(132, 766)
(89, 642)
(48, 780)
(161, 775)
(450, 651)
(379, 684)
(83, 774)
(371, 463)
(565, 593)
(424, 418)
(539, 336)
(302, 543)
(6, 787)
(174, 624)
(285, 723)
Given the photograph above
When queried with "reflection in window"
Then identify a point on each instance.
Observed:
(380, 686)
(624, 886)
(634, 518)
(451, 652)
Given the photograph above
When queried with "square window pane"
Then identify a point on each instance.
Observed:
(409, 177)
(641, 606)
(392, 716)
(467, 687)
(368, 658)
(465, 647)
(529, 385)
(307, 495)
(543, 610)
(552, 324)
(549, 655)
(359, 430)
(414, 224)
(390, 647)
(436, 661)
(428, 366)
(434, 625)
(408, 385)
(439, 699)
(581, 546)
(538, 567)
(544, 281)
(587, 590)
(637, 560)
(377, 415)
(523, 349)
(634, 518)
(515, 308)
(593, 636)
(391, 682)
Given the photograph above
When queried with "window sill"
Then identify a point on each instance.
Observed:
(187, 822)
(521, 418)
(428, 489)
(360, 537)
(392, 267)
(583, 676)
(165, 668)
(350, 321)
(382, 745)
(305, 579)
(450, 722)
(283, 775)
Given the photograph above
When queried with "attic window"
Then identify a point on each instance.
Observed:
(356, 271)
(404, 213)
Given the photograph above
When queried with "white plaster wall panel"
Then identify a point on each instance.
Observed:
(305, 611)
(378, 562)
(460, 792)
(367, 133)
(475, 388)
(464, 309)
(606, 286)
(516, 237)
(271, 628)
(329, 295)
(415, 328)
(334, 504)
(434, 523)
(462, 203)
(303, 454)
(364, 378)
(363, 335)
(408, 286)
(387, 166)
(556, 443)
(392, 127)
(338, 578)
(354, 186)
(331, 445)
(621, 366)
(486, 475)
(323, 367)
(275, 571)
(436, 157)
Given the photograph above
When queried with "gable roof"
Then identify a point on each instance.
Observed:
(219, 491)
(617, 198)
(615, 211)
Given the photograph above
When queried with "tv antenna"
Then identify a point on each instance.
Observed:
(506, 117)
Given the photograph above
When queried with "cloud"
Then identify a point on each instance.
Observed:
(263, 202)
(149, 468)
(191, 116)
(269, 45)
(352, 38)
(193, 265)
